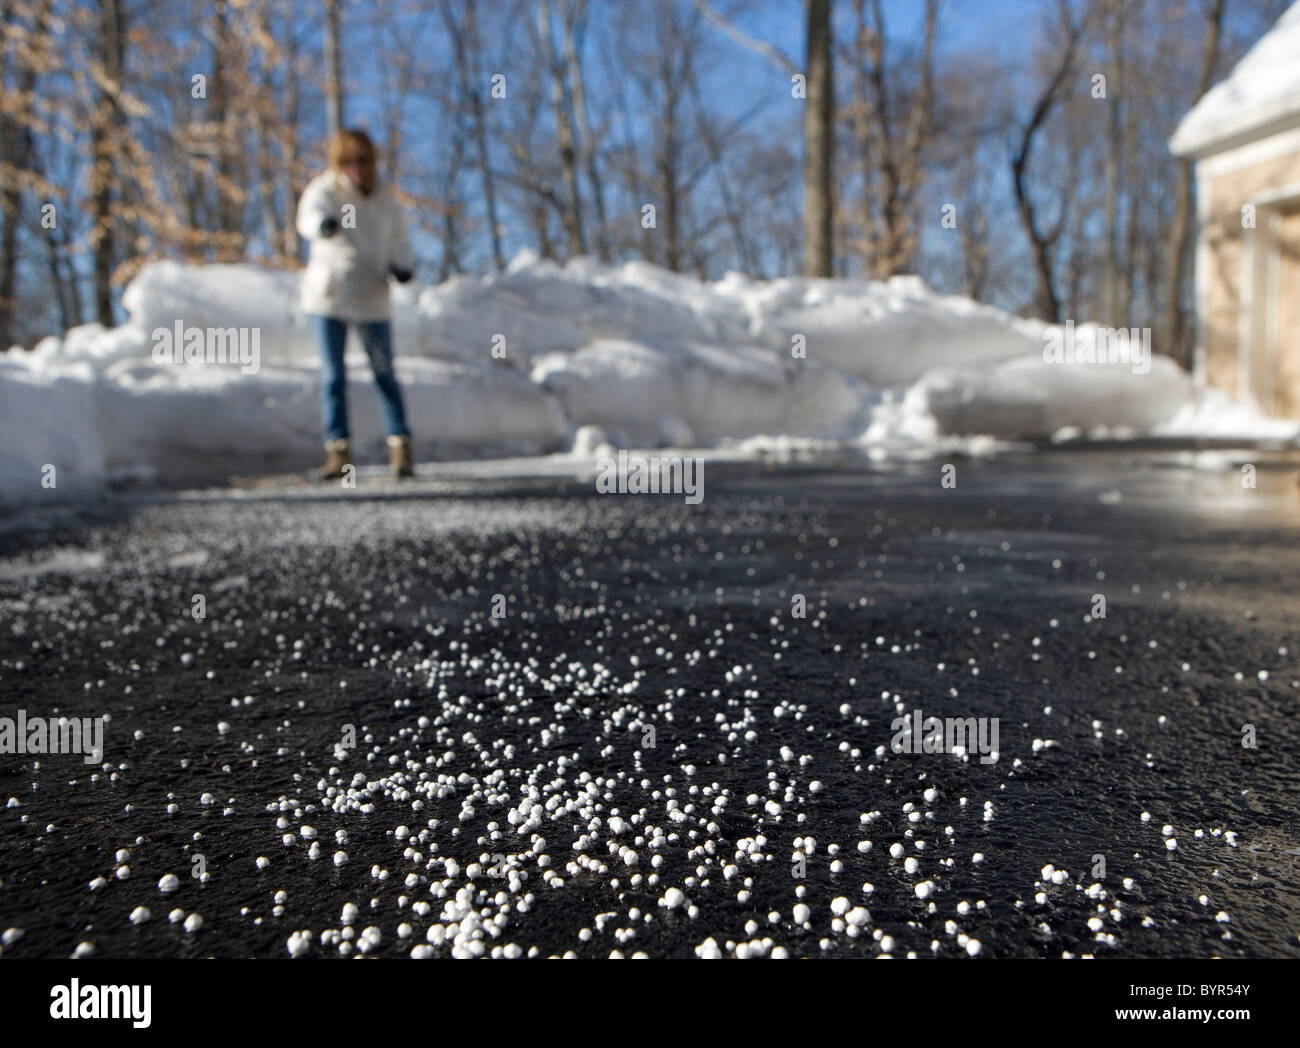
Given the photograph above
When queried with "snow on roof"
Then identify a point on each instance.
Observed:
(1261, 95)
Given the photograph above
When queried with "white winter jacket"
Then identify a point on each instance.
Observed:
(347, 273)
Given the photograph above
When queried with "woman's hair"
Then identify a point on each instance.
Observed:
(352, 145)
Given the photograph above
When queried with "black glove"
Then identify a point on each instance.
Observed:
(329, 227)
(399, 274)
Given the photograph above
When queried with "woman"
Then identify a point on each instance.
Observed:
(358, 239)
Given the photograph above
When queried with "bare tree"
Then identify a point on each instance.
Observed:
(333, 67)
(1174, 325)
(819, 146)
(573, 15)
(467, 52)
(1116, 102)
(1043, 241)
(450, 226)
(17, 146)
(291, 170)
(106, 130)
(563, 129)
(264, 119)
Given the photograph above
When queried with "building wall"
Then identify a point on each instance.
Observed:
(1264, 173)
(1287, 339)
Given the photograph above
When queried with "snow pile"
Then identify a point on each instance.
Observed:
(204, 425)
(48, 418)
(1028, 397)
(885, 333)
(695, 392)
(1212, 413)
(518, 362)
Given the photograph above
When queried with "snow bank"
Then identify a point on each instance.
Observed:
(518, 362)
(48, 419)
(212, 423)
(642, 394)
(1027, 397)
(885, 333)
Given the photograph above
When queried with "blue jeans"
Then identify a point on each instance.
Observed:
(377, 338)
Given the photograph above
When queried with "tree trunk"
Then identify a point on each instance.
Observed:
(563, 132)
(68, 313)
(450, 230)
(266, 193)
(229, 218)
(289, 133)
(1131, 242)
(1174, 325)
(819, 144)
(17, 151)
(575, 15)
(903, 237)
(668, 180)
(864, 140)
(333, 68)
(1042, 242)
(1114, 92)
(105, 128)
(467, 46)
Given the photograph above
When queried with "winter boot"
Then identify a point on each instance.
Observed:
(399, 456)
(337, 455)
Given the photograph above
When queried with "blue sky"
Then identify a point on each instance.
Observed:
(997, 24)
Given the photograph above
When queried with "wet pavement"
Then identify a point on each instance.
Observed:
(495, 715)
